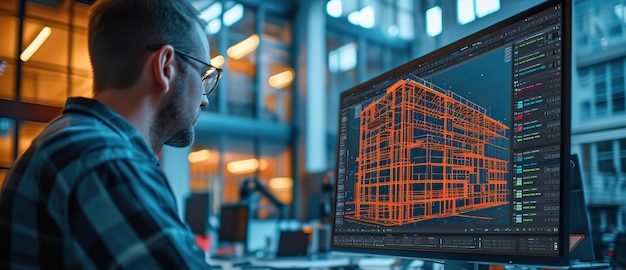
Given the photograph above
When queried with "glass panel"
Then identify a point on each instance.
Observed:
(374, 58)
(203, 166)
(617, 85)
(27, 133)
(405, 20)
(584, 77)
(81, 80)
(605, 157)
(81, 15)
(400, 57)
(7, 141)
(8, 27)
(81, 86)
(600, 89)
(58, 14)
(242, 43)
(45, 73)
(585, 158)
(44, 86)
(622, 154)
(7, 79)
(277, 92)
(341, 72)
(278, 83)
(585, 112)
(240, 91)
(278, 29)
(277, 177)
(240, 164)
(9, 5)
(388, 22)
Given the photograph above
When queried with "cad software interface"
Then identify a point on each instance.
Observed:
(459, 153)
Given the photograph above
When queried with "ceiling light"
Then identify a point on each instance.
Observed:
(281, 183)
(333, 8)
(246, 166)
(217, 61)
(214, 26)
(198, 156)
(233, 15)
(281, 80)
(244, 47)
(34, 46)
(211, 12)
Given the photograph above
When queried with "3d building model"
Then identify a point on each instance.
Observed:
(426, 152)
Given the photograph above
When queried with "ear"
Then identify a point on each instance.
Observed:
(163, 67)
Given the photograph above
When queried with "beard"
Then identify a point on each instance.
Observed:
(167, 129)
(183, 138)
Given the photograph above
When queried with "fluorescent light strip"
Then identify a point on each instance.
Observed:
(246, 166)
(244, 47)
(218, 61)
(281, 183)
(198, 156)
(36, 44)
(281, 80)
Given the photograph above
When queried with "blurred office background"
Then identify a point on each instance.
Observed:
(274, 115)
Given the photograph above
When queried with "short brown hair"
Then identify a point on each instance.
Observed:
(120, 30)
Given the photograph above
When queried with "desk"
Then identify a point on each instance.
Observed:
(282, 263)
(371, 263)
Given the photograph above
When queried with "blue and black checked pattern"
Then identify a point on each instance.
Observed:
(89, 194)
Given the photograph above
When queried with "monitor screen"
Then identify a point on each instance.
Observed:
(462, 154)
(197, 213)
(233, 223)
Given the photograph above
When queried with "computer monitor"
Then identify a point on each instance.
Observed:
(463, 154)
(197, 213)
(233, 223)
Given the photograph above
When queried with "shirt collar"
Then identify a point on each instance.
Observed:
(113, 120)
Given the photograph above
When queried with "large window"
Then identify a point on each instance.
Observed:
(54, 65)
(222, 173)
(253, 43)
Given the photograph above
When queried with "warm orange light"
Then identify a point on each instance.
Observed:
(281, 80)
(218, 61)
(246, 166)
(198, 156)
(281, 183)
(244, 47)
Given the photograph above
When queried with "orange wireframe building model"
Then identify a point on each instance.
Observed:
(425, 153)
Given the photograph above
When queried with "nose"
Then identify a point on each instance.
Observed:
(205, 102)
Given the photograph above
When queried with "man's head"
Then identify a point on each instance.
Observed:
(129, 37)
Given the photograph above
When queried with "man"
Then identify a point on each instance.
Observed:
(89, 193)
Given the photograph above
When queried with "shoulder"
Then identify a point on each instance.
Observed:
(74, 143)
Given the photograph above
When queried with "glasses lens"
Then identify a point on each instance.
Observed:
(210, 80)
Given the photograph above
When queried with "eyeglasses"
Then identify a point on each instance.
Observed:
(210, 77)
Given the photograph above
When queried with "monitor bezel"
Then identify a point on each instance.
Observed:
(566, 69)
